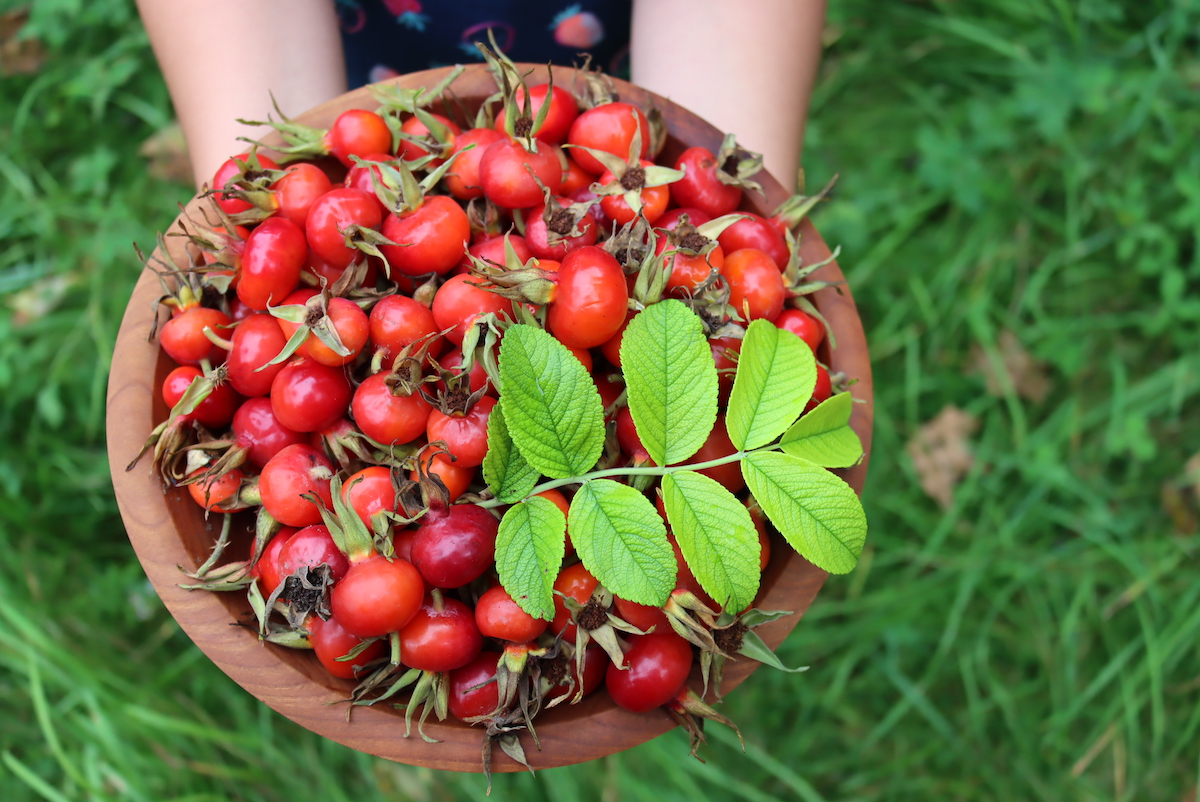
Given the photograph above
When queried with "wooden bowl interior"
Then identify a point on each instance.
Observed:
(168, 530)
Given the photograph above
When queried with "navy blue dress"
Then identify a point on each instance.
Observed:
(384, 38)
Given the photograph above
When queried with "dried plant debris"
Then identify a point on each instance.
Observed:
(1018, 369)
(941, 453)
(166, 155)
(19, 55)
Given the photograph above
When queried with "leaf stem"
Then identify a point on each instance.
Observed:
(653, 470)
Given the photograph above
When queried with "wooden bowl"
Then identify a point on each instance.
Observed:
(169, 530)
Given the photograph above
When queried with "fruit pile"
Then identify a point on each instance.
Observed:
(514, 407)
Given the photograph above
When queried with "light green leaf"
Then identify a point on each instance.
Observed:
(622, 541)
(671, 379)
(553, 411)
(754, 648)
(529, 551)
(506, 472)
(818, 513)
(716, 535)
(823, 436)
(775, 377)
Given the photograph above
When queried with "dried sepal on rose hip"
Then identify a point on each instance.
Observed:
(209, 461)
(218, 245)
(192, 311)
(560, 225)
(262, 189)
(796, 274)
(595, 623)
(217, 576)
(424, 232)
(426, 137)
(789, 214)
(734, 636)
(524, 675)
(438, 639)
(692, 257)
(690, 711)
(715, 184)
(395, 100)
(388, 407)
(214, 575)
(710, 301)
(354, 131)
(523, 282)
(324, 327)
(247, 170)
(632, 185)
(206, 400)
(302, 593)
(608, 123)
(517, 117)
(514, 170)
(506, 692)
(343, 443)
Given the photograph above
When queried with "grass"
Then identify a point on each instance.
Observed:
(1013, 167)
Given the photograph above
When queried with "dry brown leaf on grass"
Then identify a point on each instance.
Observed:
(1021, 371)
(1191, 475)
(1180, 498)
(166, 155)
(18, 56)
(941, 452)
(39, 299)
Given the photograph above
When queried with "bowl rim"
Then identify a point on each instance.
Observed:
(295, 687)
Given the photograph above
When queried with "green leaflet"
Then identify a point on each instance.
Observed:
(622, 541)
(823, 436)
(529, 551)
(506, 472)
(671, 380)
(716, 535)
(754, 648)
(551, 405)
(818, 513)
(775, 378)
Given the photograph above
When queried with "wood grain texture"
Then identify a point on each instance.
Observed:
(167, 530)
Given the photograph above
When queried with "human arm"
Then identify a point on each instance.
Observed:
(747, 67)
(224, 59)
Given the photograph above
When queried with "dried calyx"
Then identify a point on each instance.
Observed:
(520, 122)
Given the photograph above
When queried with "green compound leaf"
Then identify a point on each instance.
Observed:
(622, 541)
(775, 378)
(716, 535)
(529, 551)
(506, 472)
(553, 411)
(823, 436)
(818, 513)
(671, 379)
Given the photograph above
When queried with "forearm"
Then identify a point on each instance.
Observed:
(747, 67)
(220, 65)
